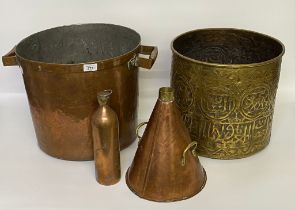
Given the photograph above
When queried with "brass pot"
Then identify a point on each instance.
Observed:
(225, 83)
(65, 67)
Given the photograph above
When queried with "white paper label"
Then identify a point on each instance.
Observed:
(90, 67)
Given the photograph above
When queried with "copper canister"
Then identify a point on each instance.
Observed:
(106, 145)
(225, 83)
(65, 67)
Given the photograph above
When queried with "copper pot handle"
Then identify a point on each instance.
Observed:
(10, 58)
(147, 63)
(137, 129)
(192, 144)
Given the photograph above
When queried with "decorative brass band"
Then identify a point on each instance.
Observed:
(166, 94)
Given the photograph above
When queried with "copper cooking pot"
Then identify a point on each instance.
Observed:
(65, 67)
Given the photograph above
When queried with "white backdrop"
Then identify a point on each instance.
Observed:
(158, 22)
(32, 180)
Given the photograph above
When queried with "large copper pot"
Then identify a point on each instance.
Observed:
(65, 67)
(225, 83)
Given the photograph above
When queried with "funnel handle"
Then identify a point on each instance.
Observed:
(152, 51)
(137, 129)
(10, 58)
(192, 144)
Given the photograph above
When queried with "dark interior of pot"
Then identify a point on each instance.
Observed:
(78, 43)
(227, 46)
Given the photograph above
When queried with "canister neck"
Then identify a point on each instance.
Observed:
(103, 97)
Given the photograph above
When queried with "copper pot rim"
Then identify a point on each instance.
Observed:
(114, 60)
(232, 66)
(166, 201)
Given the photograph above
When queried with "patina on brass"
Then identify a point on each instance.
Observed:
(165, 167)
(62, 86)
(225, 83)
(106, 145)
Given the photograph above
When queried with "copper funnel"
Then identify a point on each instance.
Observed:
(165, 167)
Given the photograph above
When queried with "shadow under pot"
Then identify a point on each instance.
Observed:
(64, 68)
(225, 83)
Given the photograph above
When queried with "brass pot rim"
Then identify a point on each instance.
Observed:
(115, 60)
(229, 65)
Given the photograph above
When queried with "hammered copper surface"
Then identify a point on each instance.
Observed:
(106, 145)
(161, 169)
(225, 84)
(62, 96)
